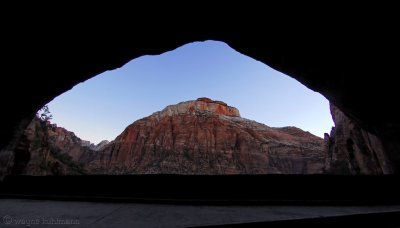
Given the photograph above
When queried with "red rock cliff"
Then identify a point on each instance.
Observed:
(209, 137)
(201, 104)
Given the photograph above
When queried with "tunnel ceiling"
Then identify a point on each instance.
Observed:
(353, 63)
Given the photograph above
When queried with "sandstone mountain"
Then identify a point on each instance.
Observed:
(202, 137)
(208, 137)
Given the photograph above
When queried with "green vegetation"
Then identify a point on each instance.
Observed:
(65, 159)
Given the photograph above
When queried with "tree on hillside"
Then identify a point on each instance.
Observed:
(44, 114)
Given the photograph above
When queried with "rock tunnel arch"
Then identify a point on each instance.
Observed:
(323, 60)
(211, 69)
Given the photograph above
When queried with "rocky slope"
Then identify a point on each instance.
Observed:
(92, 146)
(352, 150)
(208, 137)
(46, 149)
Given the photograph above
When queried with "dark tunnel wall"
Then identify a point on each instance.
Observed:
(353, 63)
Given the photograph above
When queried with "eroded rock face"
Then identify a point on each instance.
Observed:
(46, 149)
(202, 137)
(201, 104)
(209, 137)
(352, 150)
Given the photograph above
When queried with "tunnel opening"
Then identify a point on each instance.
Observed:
(329, 59)
(195, 188)
(292, 119)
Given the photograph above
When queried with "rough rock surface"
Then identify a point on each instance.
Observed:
(46, 149)
(209, 137)
(94, 147)
(201, 104)
(352, 150)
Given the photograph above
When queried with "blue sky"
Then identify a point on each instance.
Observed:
(103, 106)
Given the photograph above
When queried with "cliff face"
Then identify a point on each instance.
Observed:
(202, 137)
(46, 149)
(209, 137)
(201, 104)
(352, 150)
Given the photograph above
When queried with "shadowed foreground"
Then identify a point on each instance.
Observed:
(90, 214)
(223, 189)
(186, 201)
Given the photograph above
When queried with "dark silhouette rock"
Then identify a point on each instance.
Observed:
(352, 150)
